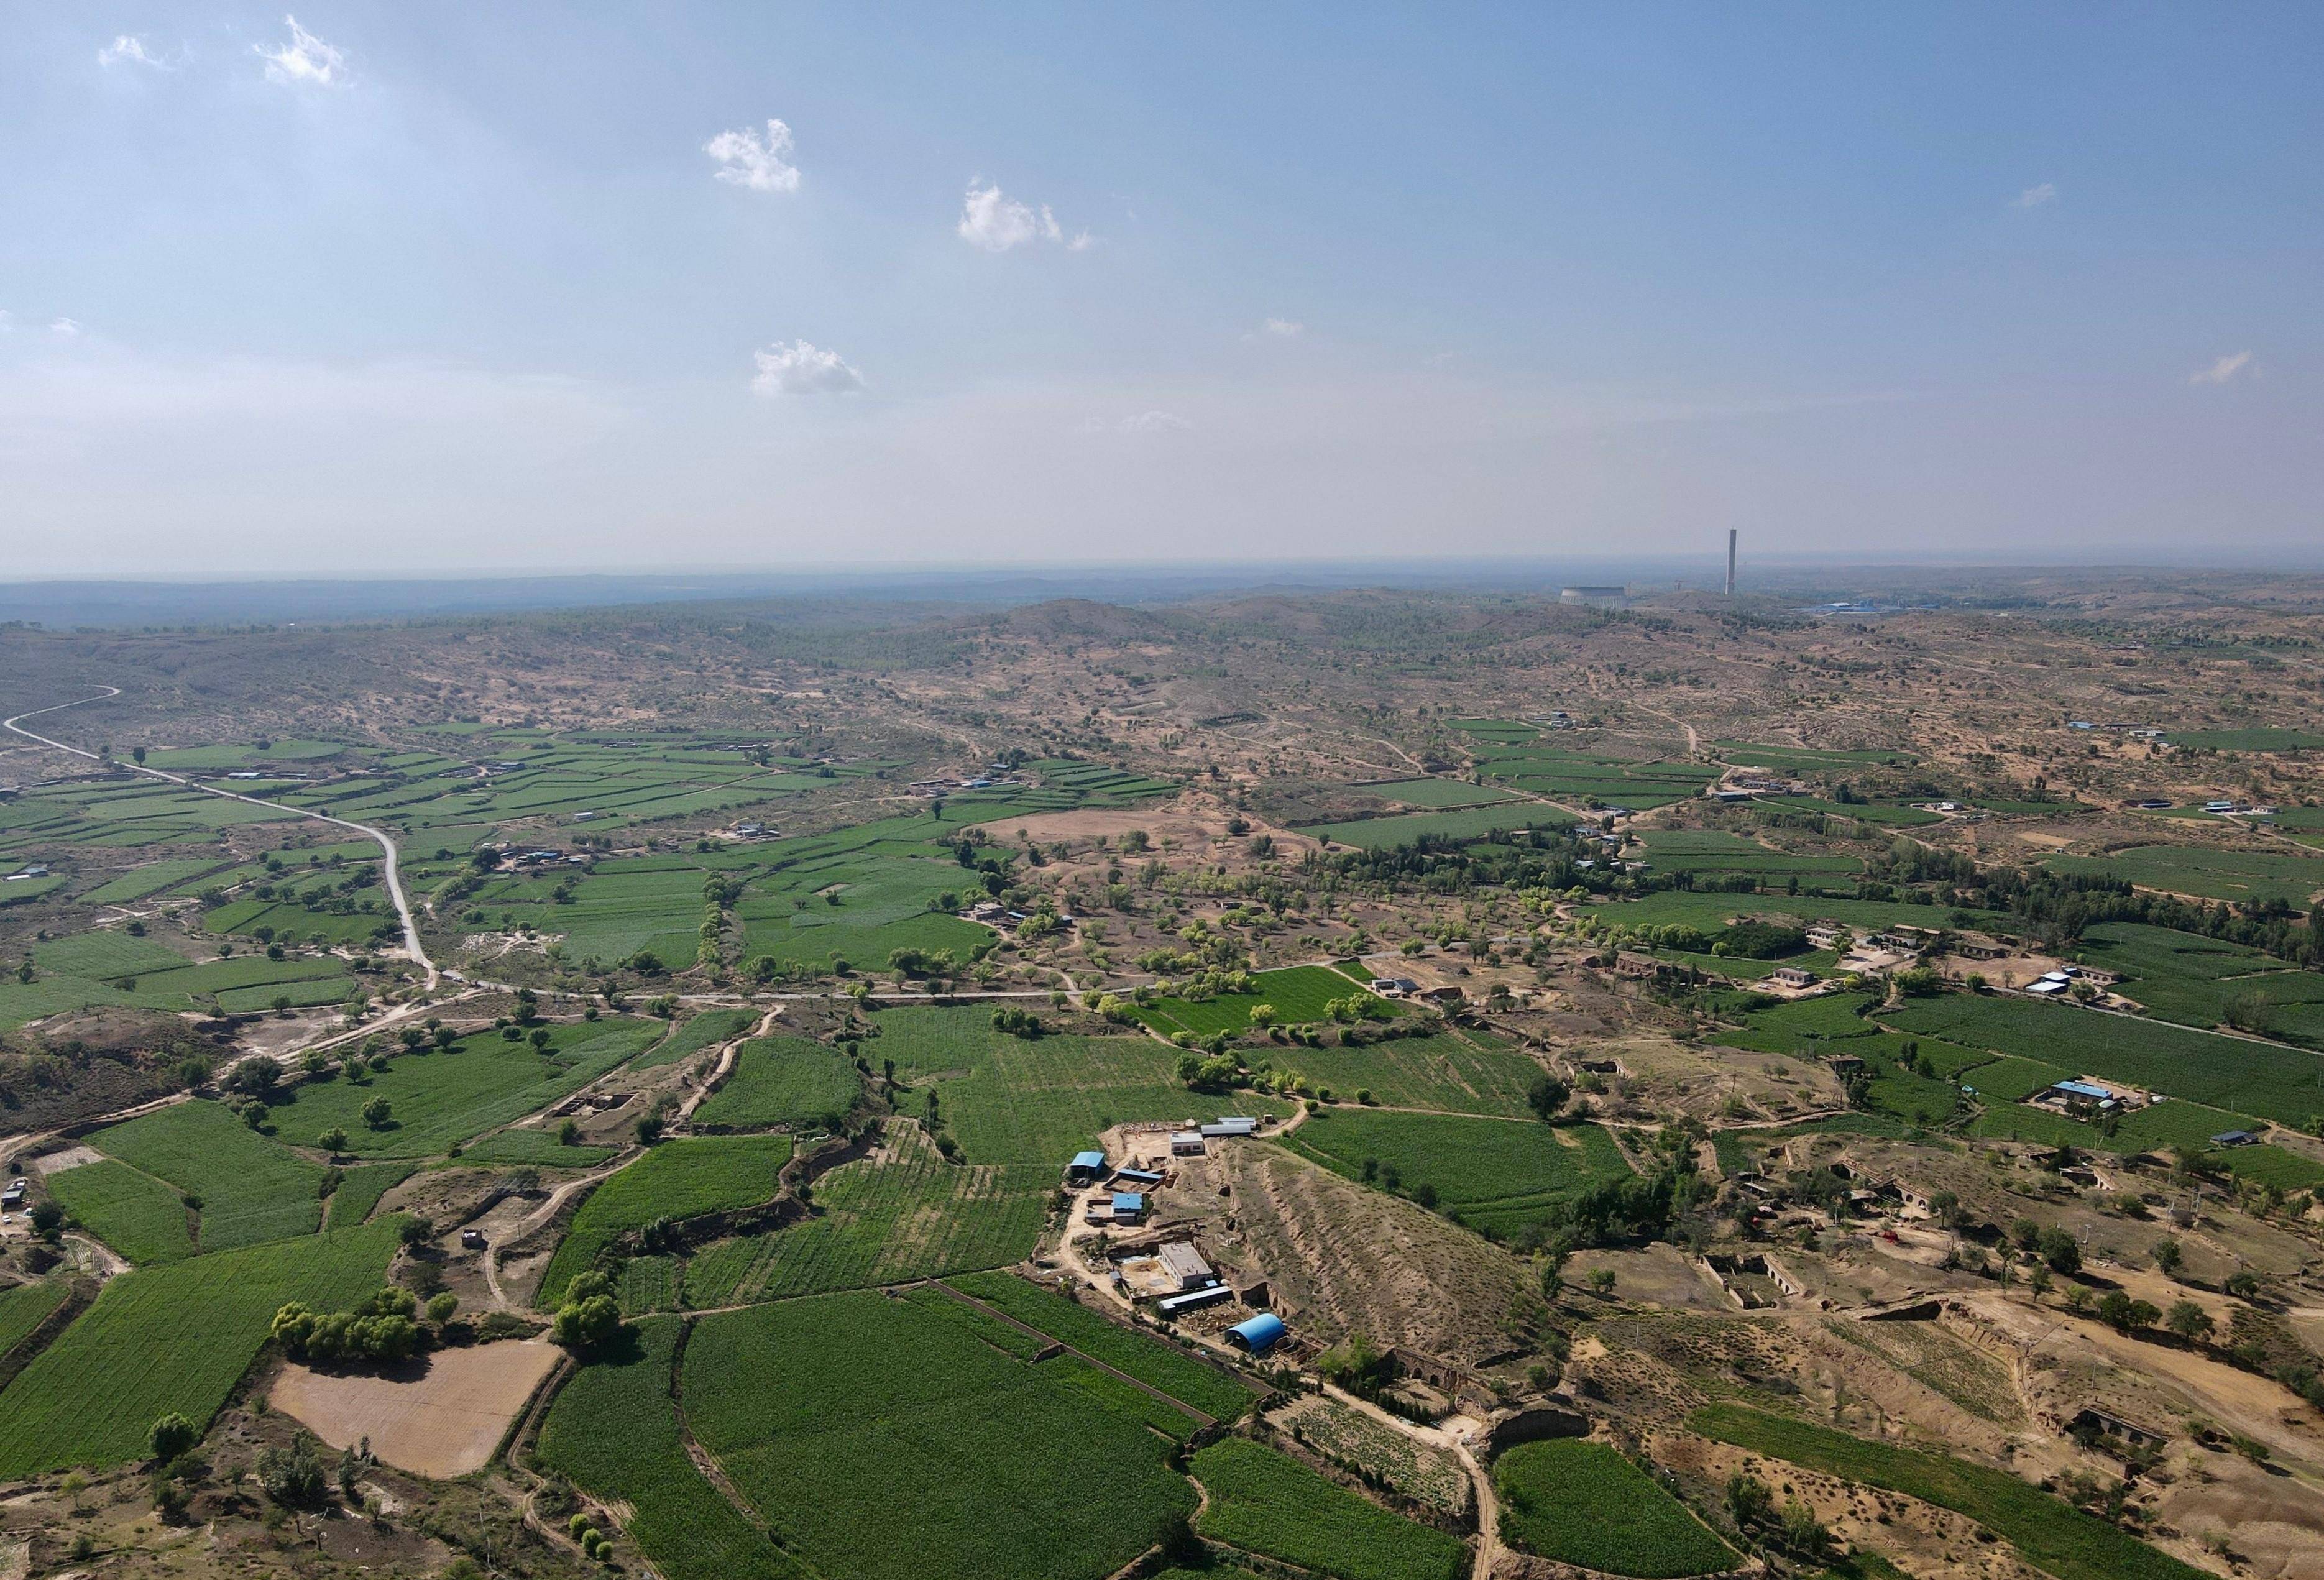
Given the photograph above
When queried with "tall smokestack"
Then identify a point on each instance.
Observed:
(1730, 562)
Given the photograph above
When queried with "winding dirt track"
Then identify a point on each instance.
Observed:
(412, 944)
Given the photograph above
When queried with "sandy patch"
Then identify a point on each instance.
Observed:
(49, 1163)
(441, 1416)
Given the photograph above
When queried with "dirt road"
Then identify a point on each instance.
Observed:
(393, 878)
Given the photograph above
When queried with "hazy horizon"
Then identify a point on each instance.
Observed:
(720, 290)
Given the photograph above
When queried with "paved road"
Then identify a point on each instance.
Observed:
(411, 943)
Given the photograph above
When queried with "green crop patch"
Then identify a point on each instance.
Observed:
(359, 1190)
(1034, 1101)
(25, 1307)
(250, 1189)
(2049, 1533)
(705, 1031)
(1488, 1173)
(1888, 815)
(1582, 1502)
(1806, 759)
(1437, 793)
(2207, 872)
(89, 1398)
(613, 1431)
(1194, 1382)
(676, 1181)
(1452, 1071)
(1460, 826)
(438, 1100)
(2235, 1074)
(902, 1213)
(1299, 995)
(152, 877)
(135, 1214)
(1265, 1503)
(1803, 1025)
(1714, 850)
(781, 1081)
(2251, 740)
(819, 1410)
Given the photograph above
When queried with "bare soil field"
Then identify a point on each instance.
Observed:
(441, 1416)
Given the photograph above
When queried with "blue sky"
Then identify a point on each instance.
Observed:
(401, 288)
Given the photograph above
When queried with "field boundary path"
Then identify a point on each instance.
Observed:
(412, 944)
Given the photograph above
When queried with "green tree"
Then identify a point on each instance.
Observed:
(1546, 1095)
(334, 1140)
(2188, 1320)
(376, 1113)
(171, 1436)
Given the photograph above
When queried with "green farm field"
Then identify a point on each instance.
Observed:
(613, 1430)
(705, 1031)
(1456, 826)
(1454, 1071)
(90, 1397)
(2207, 872)
(781, 1081)
(25, 1307)
(677, 1179)
(819, 1409)
(1184, 1377)
(902, 1213)
(438, 1100)
(1037, 1101)
(1437, 794)
(1297, 992)
(2238, 1074)
(1268, 1504)
(138, 1215)
(1582, 1502)
(250, 1189)
(1489, 1173)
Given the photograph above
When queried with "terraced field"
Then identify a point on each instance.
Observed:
(677, 1180)
(1495, 1174)
(1582, 1502)
(1265, 1503)
(902, 1213)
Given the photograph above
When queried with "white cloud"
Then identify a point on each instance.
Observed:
(7, 321)
(131, 47)
(304, 58)
(1154, 422)
(758, 164)
(2221, 371)
(801, 369)
(998, 224)
(65, 329)
(1282, 329)
(2035, 196)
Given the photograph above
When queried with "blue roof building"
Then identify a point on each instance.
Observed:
(2082, 1089)
(1261, 1334)
(1129, 1207)
(1086, 1166)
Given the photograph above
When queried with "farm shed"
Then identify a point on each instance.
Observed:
(1144, 1178)
(1187, 1143)
(1085, 1167)
(1128, 1207)
(1184, 1263)
(1231, 1127)
(1261, 1334)
(1171, 1304)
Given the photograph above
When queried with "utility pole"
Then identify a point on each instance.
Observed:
(1730, 562)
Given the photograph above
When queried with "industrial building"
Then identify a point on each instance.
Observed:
(1185, 1264)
